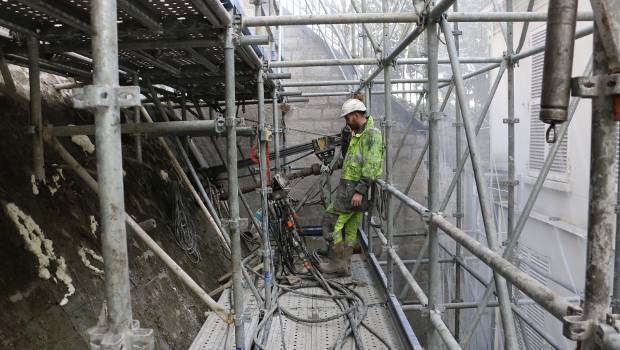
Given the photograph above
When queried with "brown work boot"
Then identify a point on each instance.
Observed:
(341, 263)
(327, 251)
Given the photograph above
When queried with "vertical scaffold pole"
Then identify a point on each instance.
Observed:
(387, 77)
(110, 169)
(364, 46)
(511, 181)
(136, 111)
(264, 165)
(368, 219)
(369, 98)
(510, 339)
(5, 72)
(233, 186)
(602, 200)
(432, 46)
(257, 12)
(36, 114)
(365, 68)
(276, 128)
(274, 46)
(459, 214)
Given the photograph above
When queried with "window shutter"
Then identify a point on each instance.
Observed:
(539, 149)
(528, 338)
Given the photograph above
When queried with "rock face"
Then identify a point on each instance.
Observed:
(51, 281)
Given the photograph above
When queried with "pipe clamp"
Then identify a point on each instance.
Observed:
(93, 96)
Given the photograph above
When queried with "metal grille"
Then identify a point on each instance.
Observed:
(178, 8)
(324, 335)
(64, 27)
(539, 148)
(23, 15)
(217, 334)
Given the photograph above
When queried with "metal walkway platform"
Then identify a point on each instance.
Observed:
(177, 43)
(215, 334)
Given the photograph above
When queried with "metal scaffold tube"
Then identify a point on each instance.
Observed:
(350, 93)
(233, 187)
(136, 119)
(166, 128)
(276, 129)
(389, 227)
(119, 330)
(459, 214)
(558, 64)
(5, 73)
(508, 17)
(375, 61)
(349, 18)
(260, 21)
(264, 165)
(601, 216)
(435, 293)
(443, 331)
(510, 337)
(354, 82)
(466, 305)
(110, 169)
(36, 115)
(510, 121)
(413, 284)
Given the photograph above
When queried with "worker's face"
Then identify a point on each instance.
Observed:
(354, 120)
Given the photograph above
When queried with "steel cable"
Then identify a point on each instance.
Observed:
(184, 228)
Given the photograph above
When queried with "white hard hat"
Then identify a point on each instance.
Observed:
(352, 105)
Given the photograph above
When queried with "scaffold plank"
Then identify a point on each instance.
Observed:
(317, 336)
(217, 334)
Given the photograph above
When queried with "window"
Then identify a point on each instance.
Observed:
(539, 148)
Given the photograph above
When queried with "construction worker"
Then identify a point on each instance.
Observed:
(362, 165)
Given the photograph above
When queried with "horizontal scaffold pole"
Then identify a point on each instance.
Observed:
(355, 82)
(374, 62)
(350, 93)
(348, 18)
(507, 16)
(172, 128)
(406, 17)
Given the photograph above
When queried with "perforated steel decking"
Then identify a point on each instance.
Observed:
(173, 42)
(216, 335)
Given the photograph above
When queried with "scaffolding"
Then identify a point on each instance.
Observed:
(199, 37)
